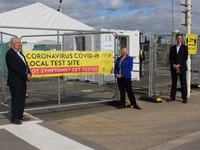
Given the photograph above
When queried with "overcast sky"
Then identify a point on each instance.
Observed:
(149, 16)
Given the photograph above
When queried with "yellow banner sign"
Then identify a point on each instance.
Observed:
(67, 63)
(191, 42)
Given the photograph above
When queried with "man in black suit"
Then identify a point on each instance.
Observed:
(18, 74)
(178, 56)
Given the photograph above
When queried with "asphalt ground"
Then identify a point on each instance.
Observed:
(158, 126)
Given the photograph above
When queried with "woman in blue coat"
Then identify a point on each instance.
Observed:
(122, 71)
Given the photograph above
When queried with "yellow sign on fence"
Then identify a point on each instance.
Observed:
(67, 63)
(191, 42)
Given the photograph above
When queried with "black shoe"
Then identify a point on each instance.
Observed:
(17, 122)
(185, 101)
(171, 99)
(23, 118)
(122, 107)
(137, 107)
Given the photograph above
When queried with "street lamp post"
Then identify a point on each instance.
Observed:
(188, 29)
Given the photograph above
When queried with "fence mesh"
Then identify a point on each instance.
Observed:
(195, 77)
(155, 79)
(55, 91)
(4, 90)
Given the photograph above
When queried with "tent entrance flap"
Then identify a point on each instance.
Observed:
(124, 41)
(80, 43)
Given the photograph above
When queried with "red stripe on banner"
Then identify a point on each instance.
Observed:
(64, 70)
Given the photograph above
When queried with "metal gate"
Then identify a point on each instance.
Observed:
(159, 66)
(4, 91)
(195, 62)
(155, 78)
(49, 92)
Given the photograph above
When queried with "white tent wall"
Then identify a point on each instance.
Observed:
(72, 42)
(90, 44)
(69, 42)
(38, 15)
(106, 42)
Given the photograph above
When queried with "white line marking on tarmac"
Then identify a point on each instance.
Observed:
(177, 142)
(43, 138)
(195, 93)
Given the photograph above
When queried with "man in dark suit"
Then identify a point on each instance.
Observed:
(178, 56)
(18, 74)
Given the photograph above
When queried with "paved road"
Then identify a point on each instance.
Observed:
(162, 126)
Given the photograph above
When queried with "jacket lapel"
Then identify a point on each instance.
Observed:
(180, 49)
(18, 58)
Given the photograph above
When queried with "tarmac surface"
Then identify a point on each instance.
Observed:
(158, 126)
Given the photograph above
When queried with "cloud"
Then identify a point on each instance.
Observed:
(148, 16)
(145, 3)
(111, 4)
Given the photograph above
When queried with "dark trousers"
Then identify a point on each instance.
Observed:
(125, 85)
(141, 69)
(182, 77)
(18, 95)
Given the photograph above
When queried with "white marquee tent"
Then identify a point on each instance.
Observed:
(38, 15)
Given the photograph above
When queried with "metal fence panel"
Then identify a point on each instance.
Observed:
(4, 91)
(162, 76)
(55, 91)
(159, 66)
(195, 76)
(141, 86)
(156, 80)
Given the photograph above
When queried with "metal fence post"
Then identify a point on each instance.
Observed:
(154, 65)
(58, 46)
(116, 52)
(150, 66)
(3, 78)
(2, 74)
(198, 59)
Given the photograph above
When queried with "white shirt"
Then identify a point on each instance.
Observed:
(120, 65)
(18, 53)
(178, 47)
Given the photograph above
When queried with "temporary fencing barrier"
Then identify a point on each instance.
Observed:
(58, 91)
(195, 75)
(158, 75)
(4, 91)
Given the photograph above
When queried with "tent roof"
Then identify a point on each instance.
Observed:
(39, 15)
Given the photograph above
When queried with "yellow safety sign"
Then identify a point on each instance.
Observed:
(191, 42)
